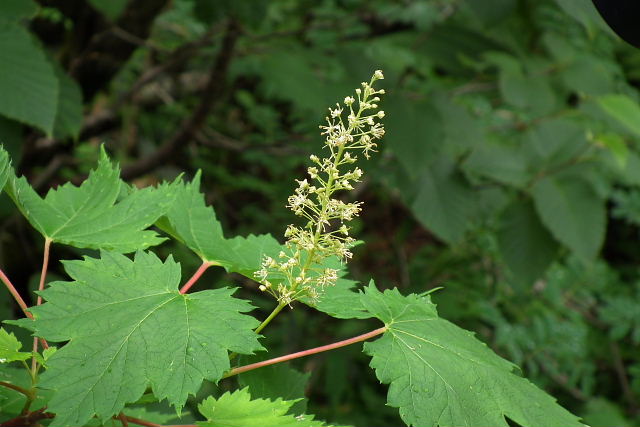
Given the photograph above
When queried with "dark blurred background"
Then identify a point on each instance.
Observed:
(509, 176)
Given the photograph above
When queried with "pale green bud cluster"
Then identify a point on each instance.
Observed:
(297, 272)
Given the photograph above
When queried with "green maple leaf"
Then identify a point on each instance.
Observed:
(129, 328)
(441, 375)
(10, 348)
(91, 216)
(192, 222)
(238, 410)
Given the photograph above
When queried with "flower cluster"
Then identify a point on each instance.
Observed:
(299, 270)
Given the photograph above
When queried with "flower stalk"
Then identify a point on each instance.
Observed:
(299, 270)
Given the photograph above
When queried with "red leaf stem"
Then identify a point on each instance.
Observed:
(196, 276)
(45, 266)
(363, 337)
(15, 294)
(139, 421)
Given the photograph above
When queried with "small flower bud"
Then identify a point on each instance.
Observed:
(378, 75)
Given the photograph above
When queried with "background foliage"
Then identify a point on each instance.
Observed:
(510, 174)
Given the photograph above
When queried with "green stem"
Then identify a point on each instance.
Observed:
(273, 314)
(31, 396)
(16, 388)
(359, 338)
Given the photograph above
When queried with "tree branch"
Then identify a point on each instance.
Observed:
(193, 123)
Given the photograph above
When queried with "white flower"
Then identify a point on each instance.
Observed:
(309, 246)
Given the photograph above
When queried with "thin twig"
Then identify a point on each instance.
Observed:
(176, 58)
(359, 338)
(16, 388)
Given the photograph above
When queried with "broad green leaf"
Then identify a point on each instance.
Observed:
(246, 253)
(10, 348)
(129, 328)
(28, 83)
(17, 9)
(445, 202)
(529, 92)
(624, 109)
(275, 381)
(507, 164)
(525, 244)
(441, 375)
(585, 13)
(5, 167)
(570, 208)
(578, 75)
(616, 145)
(415, 133)
(553, 143)
(192, 222)
(237, 409)
(90, 216)
(69, 115)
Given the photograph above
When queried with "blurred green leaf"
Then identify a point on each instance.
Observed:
(28, 83)
(445, 203)
(525, 244)
(17, 9)
(571, 209)
(69, 116)
(623, 109)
